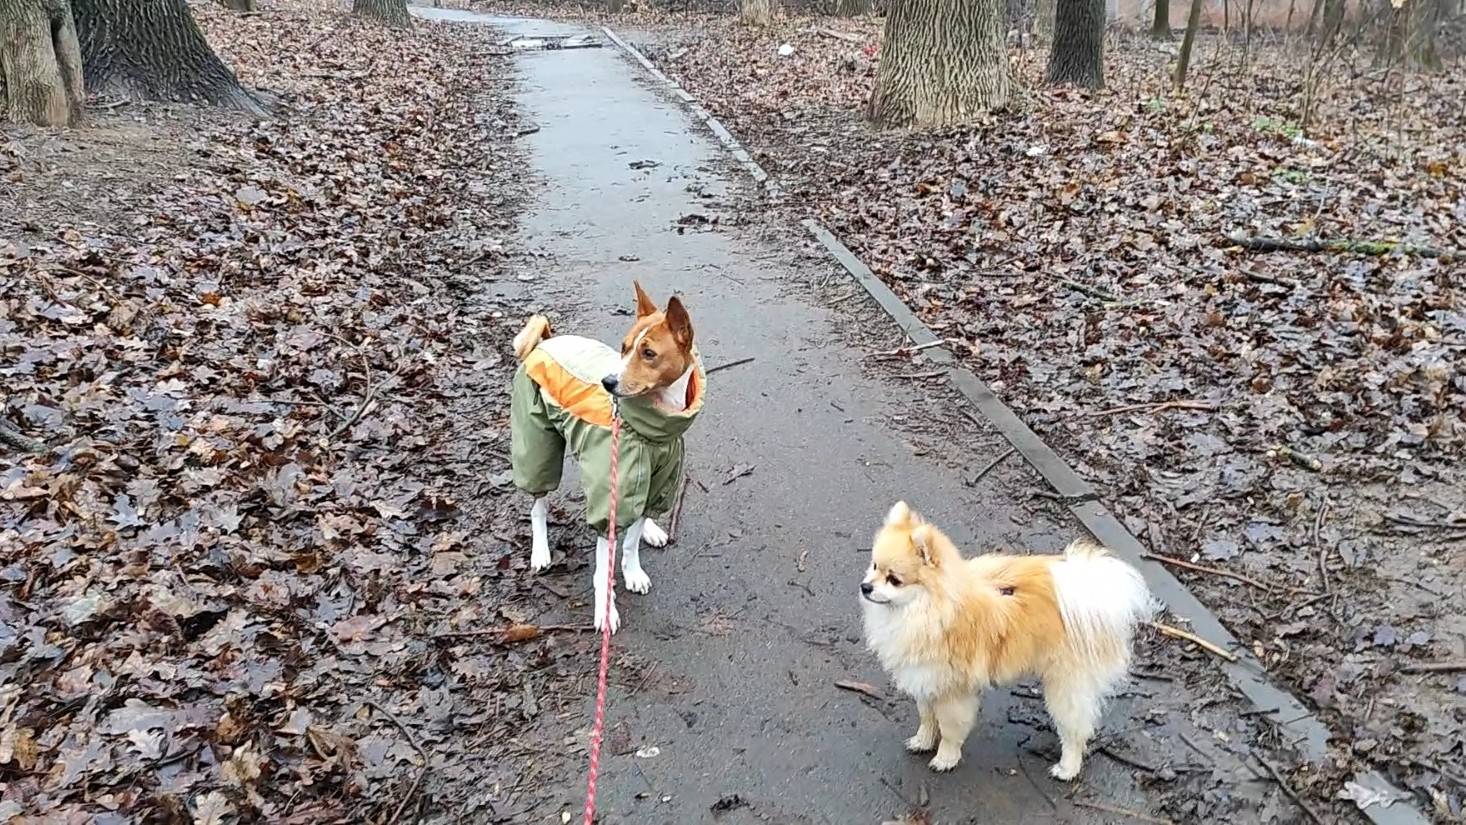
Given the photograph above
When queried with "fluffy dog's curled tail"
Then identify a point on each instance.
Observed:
(536, 329)
(1101, 600)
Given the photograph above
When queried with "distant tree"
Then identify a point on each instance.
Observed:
(40, 63)
(756, 12)
(240, 5)
(1410, 36)
(942, 62)
(852, 8)
(1078, 54)
(1183, 62)
(1043, 18)
(1160, 27)
(389, 12)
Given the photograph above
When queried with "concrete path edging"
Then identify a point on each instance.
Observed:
(1295, 722)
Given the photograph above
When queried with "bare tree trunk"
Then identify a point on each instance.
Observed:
(240, 5)
(615, 5)
(756, 12)
(40, 63)
(1333, 19)
(942, 62)
(1078, 53)
(1160, 27)
(153, 50)
(390, 12)
(1183, 62)
(853, 8)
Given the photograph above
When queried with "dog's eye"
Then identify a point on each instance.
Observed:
(648, 354)
(893, 579)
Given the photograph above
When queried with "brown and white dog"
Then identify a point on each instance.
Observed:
(565, 392)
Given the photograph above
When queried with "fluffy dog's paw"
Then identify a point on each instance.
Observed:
(943, 762)
(653, 536)
(636, 579)
(539, 558)
(921, 743)
(1064, 773)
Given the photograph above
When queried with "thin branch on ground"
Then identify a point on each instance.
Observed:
(417, 746)
(1287, 789)
(1184, 635)
(1355, 247)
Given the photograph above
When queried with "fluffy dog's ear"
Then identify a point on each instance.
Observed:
(900, 515)
(924, 539)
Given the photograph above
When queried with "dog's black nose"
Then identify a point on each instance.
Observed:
(610, 382)
(867, 588)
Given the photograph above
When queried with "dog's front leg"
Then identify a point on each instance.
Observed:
(604, 596)
(637, 581)
(653, 535)
(539, 527)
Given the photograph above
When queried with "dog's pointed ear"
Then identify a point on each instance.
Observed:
(900, 515)
(924, 539)
(644, 304)
(678, 322)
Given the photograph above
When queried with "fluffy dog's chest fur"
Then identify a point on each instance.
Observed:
(917, 653)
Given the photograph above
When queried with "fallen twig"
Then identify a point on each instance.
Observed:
(411, 740)
(902, 352)
(515, 632)
(1265, 244)
(1323, 550)
(1123, 759)
(677, 510)
(21, 441)
(1157, 407)
(991, 464)
(1091, 291)
(859, 687)
(1307, 462)
(739, 362)
(1287, 789)
(738, 472)
(1112, 809)
(917, 376)
(1201, 568)
(1410, 521)
(1436, 667)
(1178, 633)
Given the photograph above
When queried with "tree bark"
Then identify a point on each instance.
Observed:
(389, 12)
(942, 62)
(40, 63)
(1043, 18)
(1078, 54)
(853, 8)
(1160, 27)
(756, 12)
(153, 50)
(1183, 62)
(240, 5)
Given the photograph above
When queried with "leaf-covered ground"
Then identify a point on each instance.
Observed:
(1298, 419)
(265, 362)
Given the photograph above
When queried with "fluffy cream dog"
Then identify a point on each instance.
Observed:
(946, 628)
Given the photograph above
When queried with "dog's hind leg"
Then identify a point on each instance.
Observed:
(637, 581)
(1074, 700)
(604, 596)
(954, 716)
(539, 526)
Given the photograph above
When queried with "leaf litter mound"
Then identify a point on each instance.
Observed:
(263, 362)
(1294, 418)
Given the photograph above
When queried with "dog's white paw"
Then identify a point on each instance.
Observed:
(601, 614)
(943, 762)
(539, 557)
(922, 742)
(636, 579)
(652, 535)
(1063, 772)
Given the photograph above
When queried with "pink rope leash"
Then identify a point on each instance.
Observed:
(598, 727)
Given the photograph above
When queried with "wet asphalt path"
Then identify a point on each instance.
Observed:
(753, 617)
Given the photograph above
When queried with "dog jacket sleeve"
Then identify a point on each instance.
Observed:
(558, 402)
